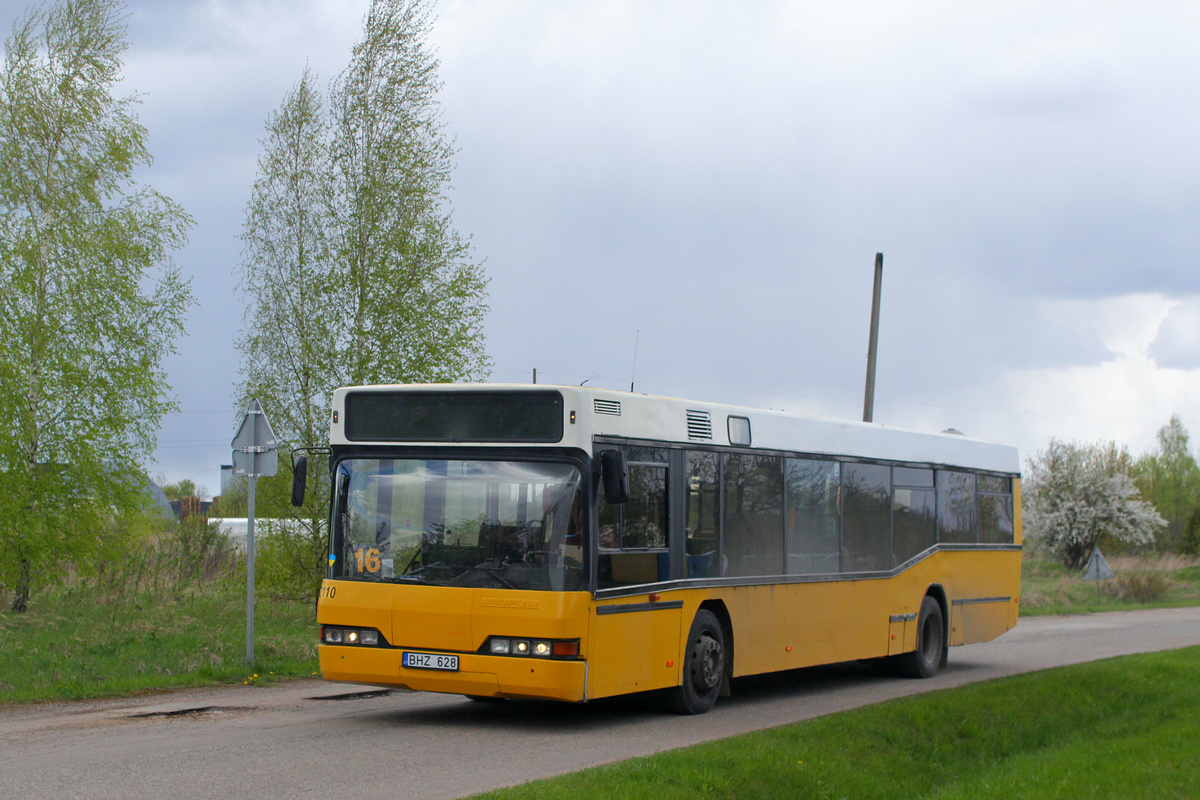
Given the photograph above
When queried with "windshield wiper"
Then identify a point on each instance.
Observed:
(417, 575)
(408, 577)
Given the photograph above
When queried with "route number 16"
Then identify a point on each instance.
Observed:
(367, 560)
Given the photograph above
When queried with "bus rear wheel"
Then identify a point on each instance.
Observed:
(703, 666)
(931, 643)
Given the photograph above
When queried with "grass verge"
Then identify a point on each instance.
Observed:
(1124, 728)
(70, 646)
(1153, 581)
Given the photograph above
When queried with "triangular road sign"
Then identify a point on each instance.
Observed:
(254, 446)
(1097, 568)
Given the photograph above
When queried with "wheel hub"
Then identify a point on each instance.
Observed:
(710, 662)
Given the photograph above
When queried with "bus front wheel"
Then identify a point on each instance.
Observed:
(931, 643)
(703, 666)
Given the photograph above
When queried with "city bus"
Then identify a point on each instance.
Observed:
(574, 543)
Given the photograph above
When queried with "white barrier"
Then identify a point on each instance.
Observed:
(234, 528)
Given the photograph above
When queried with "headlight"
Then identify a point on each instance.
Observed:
(538, 648)
(366, 637)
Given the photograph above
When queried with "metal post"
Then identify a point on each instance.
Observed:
(253, 456)
(873, 347)
(254, 409)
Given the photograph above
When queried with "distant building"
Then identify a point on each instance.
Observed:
(159, 498)
(190, 506)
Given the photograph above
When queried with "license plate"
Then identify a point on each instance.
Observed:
(431, 661)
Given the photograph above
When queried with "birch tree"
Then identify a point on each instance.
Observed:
(352, 268)
(89, 300)
(291, 325)
(1170, 479)
(413, 296)
(293, 320)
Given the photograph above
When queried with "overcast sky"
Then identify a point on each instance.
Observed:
(690, 195)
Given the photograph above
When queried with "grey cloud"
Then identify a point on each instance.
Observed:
(1177, 345)
(722, 206)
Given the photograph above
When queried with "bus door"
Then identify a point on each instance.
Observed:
(635, 636)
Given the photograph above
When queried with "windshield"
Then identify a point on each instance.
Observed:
(498, 524)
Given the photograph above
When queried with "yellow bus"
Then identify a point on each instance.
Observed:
(531, 541)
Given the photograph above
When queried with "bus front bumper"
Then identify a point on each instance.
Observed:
(481, 675)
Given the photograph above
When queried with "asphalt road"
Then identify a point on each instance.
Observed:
(335, 742)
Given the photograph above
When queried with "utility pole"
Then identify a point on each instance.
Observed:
(873, 347)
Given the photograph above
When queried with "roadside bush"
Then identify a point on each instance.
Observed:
(198, 550)
(1139, 586)
(289, 560)
(160, 563)
(1190, 544)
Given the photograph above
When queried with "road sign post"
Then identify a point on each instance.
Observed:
(255, 455)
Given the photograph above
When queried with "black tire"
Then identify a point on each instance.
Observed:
(703, 666)
(931, 643)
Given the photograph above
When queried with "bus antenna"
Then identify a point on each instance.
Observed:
(637, 336)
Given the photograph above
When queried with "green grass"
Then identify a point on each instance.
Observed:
(1047, 587)
(1122, 728)
(72, 644)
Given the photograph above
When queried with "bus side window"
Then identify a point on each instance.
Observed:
(752, 521)
(866, 517)
(813, 530)
(633, 535)
(914, 517)
(995, 509)
(703, 507)
(956, 507)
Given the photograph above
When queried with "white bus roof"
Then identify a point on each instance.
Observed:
(592, 412)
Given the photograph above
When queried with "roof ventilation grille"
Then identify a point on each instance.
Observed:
(699, 425)
(612, 407)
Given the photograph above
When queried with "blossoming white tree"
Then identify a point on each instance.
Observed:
(1077, 493)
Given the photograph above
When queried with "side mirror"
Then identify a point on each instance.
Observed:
(615, 472)
(299, 480)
